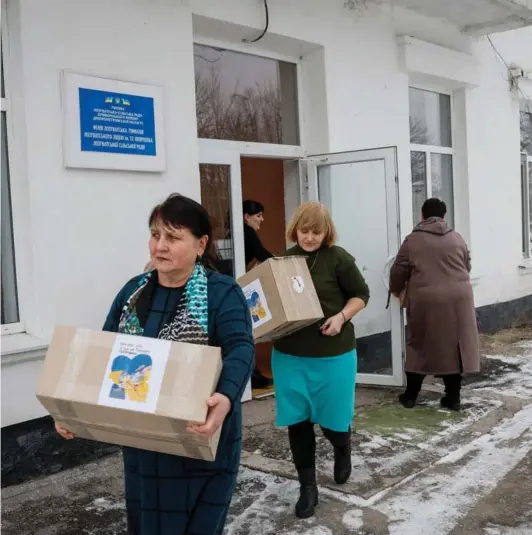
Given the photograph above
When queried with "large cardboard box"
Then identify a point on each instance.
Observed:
(131, 390)
(281, 297)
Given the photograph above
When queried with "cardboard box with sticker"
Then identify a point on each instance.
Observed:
(281, 297)
(130, 390)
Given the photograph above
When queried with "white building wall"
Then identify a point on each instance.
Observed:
(85, 230)
(494, 170)
(87, 226)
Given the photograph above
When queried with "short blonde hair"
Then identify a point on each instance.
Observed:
(312, 216)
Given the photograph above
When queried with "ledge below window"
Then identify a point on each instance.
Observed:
(21, 347)
(525, 267)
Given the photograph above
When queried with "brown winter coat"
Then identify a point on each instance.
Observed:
(434, 264)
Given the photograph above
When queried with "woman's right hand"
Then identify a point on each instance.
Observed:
(64, 432)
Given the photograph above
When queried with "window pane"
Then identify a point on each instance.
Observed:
(430, 118)
(442, 182)
(9, 284)
(241, 97)
(216, 199)
(419, 183)
(2, 72)
(338, 185)
(526, 196)
(526, 130)
(530, 208)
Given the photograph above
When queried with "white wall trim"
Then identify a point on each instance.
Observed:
(431, 148)
(243, 48)
(22, 345)
(440, 64)
(12, 328)
(256, 150)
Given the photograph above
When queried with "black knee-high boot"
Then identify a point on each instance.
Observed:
(453, 386)
(414, 381)
(303, 446)
(341, 440)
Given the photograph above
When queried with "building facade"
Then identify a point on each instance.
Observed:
(370, 107)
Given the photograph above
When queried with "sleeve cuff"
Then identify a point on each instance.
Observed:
(229, 391)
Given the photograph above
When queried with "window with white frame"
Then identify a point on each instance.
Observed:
(526, 176)
(243, 97)
(10, 309)
(431, 150)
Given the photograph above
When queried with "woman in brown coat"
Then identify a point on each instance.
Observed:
(433, 264)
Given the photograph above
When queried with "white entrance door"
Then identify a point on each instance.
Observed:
(221, 195)
(360, 190)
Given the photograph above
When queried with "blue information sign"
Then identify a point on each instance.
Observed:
(116, 123)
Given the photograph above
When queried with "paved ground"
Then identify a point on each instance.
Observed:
(423, 471)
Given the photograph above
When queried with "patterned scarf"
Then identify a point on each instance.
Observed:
(190, 320)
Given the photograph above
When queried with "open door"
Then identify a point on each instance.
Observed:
(221, 196)
(360, 190)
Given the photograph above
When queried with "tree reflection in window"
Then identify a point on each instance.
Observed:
(240, 97)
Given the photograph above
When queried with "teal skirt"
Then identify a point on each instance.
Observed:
(321, 390)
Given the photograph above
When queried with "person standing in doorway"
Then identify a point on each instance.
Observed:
(433, 266)
(315, 368)
(253, 218)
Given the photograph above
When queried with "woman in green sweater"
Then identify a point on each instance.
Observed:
(315, 368)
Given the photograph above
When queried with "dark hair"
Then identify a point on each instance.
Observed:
(179, 211)
(433, 208)
(252, 207)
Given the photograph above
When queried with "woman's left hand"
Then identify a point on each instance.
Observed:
(333, 325)
(219, 406)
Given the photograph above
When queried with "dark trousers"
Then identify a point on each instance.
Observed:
(453, 385)
(303, 443)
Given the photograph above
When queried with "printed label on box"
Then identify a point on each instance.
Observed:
(258, 306)
(134, 373)
(298, 284)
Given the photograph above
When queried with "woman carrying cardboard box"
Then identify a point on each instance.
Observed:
(314, 369)
(182, 301)
(255, 253)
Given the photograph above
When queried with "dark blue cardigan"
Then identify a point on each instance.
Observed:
(166, 494)
(229, 328)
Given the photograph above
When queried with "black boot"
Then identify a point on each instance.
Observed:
(453, 385)
(303, 446)
(341, 442)
(408, 398)
(308, 493)
(342, 464)
(406, 402)
(258, 381)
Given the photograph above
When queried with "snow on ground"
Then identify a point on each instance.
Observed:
(441, 493)
(435, 500)
(387, 455)
(408, 479)
(500, 530)
(517, 379)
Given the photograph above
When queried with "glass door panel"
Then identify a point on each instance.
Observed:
(221, 196)
(359, 188)
(215, 181)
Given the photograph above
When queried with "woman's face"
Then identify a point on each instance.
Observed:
(254, 221)
(309, 240)
(174, 249)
